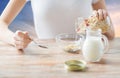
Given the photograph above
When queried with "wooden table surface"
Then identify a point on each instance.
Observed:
(36, 62)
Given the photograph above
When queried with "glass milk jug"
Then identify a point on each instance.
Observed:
(95, 45)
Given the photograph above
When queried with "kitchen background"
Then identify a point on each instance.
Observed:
(24, 21)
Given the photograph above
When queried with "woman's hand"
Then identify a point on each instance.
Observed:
(101, 14)
(21, 39)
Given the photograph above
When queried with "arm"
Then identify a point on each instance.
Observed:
(8, 15)
(101, 5)
(12, 10)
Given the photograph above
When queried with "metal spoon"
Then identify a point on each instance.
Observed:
(39, 45)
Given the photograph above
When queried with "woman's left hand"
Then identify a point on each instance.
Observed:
(101, 14)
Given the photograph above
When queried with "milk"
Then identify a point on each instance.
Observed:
(93, 48)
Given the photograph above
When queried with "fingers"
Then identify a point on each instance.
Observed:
(20, 45)
(95, 13)
(20, 35)
(105, 14)
(101, 14)
(21, 39)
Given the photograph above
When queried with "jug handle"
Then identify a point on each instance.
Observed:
(106, 43)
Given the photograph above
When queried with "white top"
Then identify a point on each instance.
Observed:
(53, 17)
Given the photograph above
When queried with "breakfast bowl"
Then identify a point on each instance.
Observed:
(69, 42)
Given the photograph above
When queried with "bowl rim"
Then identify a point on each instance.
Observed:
(67, 34)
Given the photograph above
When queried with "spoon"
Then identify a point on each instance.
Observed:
(39, 45)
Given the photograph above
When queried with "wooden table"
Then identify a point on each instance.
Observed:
(36, 62)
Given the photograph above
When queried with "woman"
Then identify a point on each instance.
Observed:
(51, 17)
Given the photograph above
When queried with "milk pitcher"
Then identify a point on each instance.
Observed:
(95, 45)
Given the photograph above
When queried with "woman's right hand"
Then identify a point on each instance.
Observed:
(21, 39)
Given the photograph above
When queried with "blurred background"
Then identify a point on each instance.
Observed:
(24, 21)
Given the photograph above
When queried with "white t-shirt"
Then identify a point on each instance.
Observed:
(52, 17)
